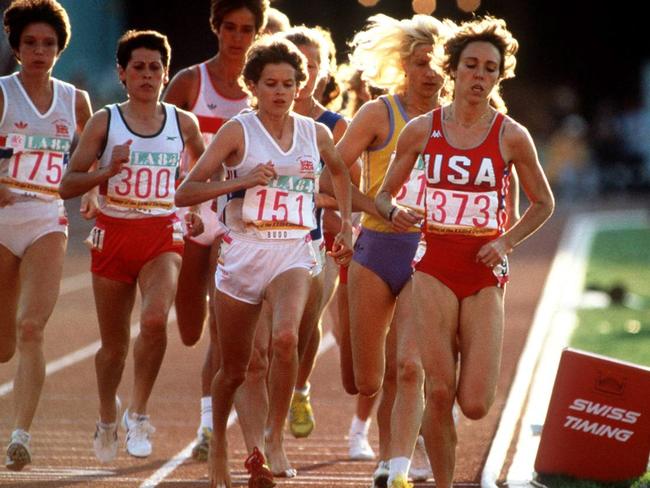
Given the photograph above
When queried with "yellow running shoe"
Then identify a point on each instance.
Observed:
(301, 416)
(400, 482)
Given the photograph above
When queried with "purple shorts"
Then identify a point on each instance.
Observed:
(389, 255)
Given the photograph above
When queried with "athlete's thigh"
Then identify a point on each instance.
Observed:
(158, 280)
(480, 341)
(371, 306)
(435, 310)
(236, 325)
(40, 276)
(312, 311)
(194, 276)
(287, 295)
(114, 303)
(9, 290)
(404, 329)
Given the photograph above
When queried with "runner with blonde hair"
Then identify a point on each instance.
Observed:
(396, 55)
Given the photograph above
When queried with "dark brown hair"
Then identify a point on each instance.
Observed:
(150, 39)
(220, 8)
(21, 13)
(273, 50)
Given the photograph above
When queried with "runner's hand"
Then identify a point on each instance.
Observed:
(194, 224)
(89, 205)
(494, 252)
(342, 248)
(6, 196)
(404, 219)
(120, 155)
(262, 174)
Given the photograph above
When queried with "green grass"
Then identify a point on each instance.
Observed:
(618, 259)
(559, 481)
(621, 257)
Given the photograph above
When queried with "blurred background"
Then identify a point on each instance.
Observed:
(582, 85)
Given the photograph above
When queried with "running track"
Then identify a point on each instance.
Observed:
(64, 424)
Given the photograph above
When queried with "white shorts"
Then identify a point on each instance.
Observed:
(24, 222)
(246, 265)
(212, 227)
(319, 252)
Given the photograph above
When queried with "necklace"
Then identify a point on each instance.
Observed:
(452, 116)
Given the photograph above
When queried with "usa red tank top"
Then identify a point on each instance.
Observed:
(466, 188)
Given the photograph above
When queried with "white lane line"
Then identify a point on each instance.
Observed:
(567, 273)
(327, 342)
(561, 327)
(79, 355)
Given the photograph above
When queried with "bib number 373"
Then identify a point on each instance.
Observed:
(458, 209)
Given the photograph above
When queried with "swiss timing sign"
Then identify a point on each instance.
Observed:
(598, 421)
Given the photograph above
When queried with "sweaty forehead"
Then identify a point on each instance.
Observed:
(278, 71)
(422, 50)
(482, 51)
(145, 55)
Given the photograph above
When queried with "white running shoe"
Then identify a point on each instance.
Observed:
(105, 440)
(360, 449)
(138, 429)
(380, 476)
(420, 468)
(18, 453)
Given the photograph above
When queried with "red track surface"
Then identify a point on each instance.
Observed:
(64, 425)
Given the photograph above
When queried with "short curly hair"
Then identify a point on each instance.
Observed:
(21, 13)
(484, 29)
(150, 39)
(273, 50)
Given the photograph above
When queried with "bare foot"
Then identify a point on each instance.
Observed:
(277, 459)
(218, 465)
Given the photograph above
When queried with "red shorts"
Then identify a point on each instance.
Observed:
(121, 247)
(453, 263)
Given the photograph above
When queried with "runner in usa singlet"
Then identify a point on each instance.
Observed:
(465, 208)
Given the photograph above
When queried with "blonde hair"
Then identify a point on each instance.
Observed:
(486, 29)
(302, 35)
(380, 50)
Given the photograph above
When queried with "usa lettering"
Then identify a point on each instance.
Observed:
(457, 171)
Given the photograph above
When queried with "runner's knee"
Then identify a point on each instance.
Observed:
(285, 345)
(369, 385)
(475, 406)
(153, 326)
(410, 373)
(440, 396)
(30, 332)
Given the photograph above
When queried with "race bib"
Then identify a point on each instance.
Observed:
(413, 193)
(460, 212)
(36, 165)
(282, 210)
(146, 183)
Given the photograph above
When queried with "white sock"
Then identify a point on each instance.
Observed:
(398, 465)
(206, 413)
(304, 390)
(358, 425)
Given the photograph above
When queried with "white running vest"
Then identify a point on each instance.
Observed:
(284, 209)
(213, 109)
(40, 142)
(146, 185)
